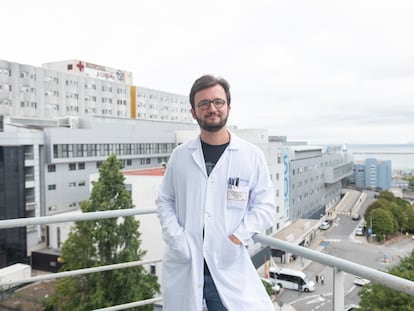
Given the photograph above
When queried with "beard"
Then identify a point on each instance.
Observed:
(212, 127)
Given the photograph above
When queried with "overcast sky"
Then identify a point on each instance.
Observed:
(317, 71)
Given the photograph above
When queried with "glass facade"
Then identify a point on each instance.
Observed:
(103, 150)
(12, 204)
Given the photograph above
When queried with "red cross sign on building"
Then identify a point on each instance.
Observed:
(80, 66)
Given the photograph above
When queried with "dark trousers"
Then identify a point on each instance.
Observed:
(211, 295)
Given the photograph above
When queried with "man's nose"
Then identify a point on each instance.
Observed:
(212, 107)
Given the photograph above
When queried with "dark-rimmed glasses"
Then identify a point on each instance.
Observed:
(205, 103)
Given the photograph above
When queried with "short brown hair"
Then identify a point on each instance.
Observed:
(207, 81)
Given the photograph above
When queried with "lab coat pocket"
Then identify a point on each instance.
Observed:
(237, 197)
(179, 251)
(229, 254)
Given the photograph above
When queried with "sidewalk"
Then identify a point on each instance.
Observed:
(285, 307)
(301, 263)
(298, 264)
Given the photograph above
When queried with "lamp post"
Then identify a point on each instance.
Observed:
(370, 228)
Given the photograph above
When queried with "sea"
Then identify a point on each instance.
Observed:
(401, 155)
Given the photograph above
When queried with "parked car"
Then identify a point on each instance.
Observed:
(361, 281)
(360, 230)
(325, 225)
(356, 217)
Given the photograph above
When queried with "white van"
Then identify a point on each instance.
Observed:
(291, 279)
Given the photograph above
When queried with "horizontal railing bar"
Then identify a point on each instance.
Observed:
(131, 304)
(51, 276)
(377, 276)
(69, 217)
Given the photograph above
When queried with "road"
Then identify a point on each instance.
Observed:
(340, 241)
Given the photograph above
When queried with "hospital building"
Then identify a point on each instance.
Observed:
(60, 121)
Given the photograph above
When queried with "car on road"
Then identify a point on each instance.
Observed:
(325, 225)
(356, 217)
(361, 281)
(350, 307)
(360, 230)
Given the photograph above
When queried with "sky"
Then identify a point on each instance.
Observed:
(325, 72)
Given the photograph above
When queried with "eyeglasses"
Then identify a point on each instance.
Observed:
(205, 103)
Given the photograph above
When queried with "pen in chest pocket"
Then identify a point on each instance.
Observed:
(233, 182)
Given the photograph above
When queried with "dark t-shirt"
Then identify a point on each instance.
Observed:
(212, 154)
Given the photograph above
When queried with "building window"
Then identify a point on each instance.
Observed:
(51, 187)
(81, 183)
(153, 269)
(51, 168)
(58, 237)
(72, 184)
(72, 166)
(128, 162)
(269, 231)
(81, 166)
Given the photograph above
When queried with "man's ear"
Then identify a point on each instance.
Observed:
(193, 114)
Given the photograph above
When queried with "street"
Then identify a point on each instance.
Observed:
(340, 241)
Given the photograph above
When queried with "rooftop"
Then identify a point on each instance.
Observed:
(157, 171)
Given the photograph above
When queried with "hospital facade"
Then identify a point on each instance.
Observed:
(60, 121)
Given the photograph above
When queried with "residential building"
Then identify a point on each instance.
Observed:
(372, 174)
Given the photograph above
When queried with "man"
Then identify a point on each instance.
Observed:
(216, 194)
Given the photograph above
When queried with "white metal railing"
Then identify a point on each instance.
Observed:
(339, 265)
(23, 222)
(6, 284)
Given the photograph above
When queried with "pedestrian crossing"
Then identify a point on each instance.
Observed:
(353, 240)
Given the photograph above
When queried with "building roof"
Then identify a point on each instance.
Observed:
(156, 171)
(296, 232)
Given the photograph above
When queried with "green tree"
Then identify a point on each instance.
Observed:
(382, 221)
(102, 242)
(380, 203)
(375, 297)
(411, 182)
(401, 211)
(399, 214)
(386, 195)
(410, 218)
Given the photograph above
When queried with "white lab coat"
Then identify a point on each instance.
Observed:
(188, 201)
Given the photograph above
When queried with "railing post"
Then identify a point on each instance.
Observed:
(338, 290)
